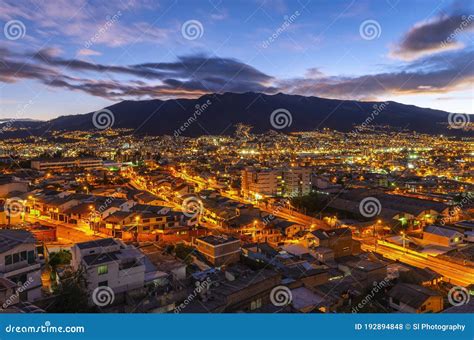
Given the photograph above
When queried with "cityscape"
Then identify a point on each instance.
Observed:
(211, 186)
(320, 220)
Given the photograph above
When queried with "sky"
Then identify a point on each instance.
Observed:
(67, 57)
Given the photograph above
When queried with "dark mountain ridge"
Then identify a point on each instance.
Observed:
(217, 114)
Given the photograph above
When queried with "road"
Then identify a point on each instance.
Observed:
(66, 234)
(275, 209)
(457, 274)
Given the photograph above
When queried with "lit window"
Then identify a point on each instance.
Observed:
(102, 270)
(256, 304)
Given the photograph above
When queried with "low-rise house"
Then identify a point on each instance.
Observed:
(260, 252)
(409, 274)
(19, 262)
(109, 262)
(410, 298)
(442, 236)
(219, 250)
(338, 240)
(396, 210)
(365, 271)
(238, 289)
(144, 222)
(12, 184)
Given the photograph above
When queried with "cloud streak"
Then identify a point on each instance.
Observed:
(188, 76)
(195, 75)
(433, 36)
(429, 75)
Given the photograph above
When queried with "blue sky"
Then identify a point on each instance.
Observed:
(75, 56)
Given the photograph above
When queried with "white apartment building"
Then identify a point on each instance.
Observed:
(109, 262)
(276, 182)
(19, 263)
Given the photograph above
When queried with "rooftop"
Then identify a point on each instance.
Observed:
(10, 239)
(105, 242)
(217, 240)
(411, 295)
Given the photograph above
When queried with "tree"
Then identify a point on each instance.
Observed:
(311, 203)
(61, 257)
(71, 294)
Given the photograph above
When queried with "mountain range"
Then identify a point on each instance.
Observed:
(216, 114)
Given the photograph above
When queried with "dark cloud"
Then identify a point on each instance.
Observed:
(192, 76)
(46, 57)
(431, 74)
(433, 36)
(188, 76)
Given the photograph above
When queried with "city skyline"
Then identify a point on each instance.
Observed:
(77, 57)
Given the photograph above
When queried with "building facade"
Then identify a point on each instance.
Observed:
(276, 182)
(19, 263)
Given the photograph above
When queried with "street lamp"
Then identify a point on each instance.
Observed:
(403, 238)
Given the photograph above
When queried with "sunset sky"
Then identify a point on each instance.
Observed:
(74, 56)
